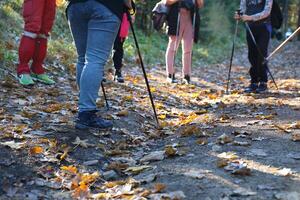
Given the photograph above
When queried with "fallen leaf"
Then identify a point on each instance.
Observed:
(159, 187)
(137, 169)
(123, 113)
(170, 151)
(224, 139)
(71, 169)
(82, 143)
(36, 150)
(296, 137)
(13, 144)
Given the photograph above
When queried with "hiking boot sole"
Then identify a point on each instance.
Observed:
(85, 127)
(39, 80)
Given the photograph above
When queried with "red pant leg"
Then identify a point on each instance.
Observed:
(48, 16)
(39, 56)
(26, 51)
(41, 42)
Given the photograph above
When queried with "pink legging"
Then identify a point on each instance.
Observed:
(186, 37)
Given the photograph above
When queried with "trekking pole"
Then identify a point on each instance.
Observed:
(176, 41)
(282, 45)
(144, 71)
(232, 52)
(194, 29)
(104, 94)
(259, 51)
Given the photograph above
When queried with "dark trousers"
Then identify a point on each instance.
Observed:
(118, 53)
(258, 70)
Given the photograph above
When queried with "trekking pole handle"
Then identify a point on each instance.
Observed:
(239, 12)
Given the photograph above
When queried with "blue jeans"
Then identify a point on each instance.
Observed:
(94, 28)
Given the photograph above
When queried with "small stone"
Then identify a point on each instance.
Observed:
(91, 162)
(110, 175)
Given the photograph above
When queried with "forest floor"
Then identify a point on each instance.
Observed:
(209, 145)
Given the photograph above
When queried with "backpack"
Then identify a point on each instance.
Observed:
(276, 16)
(159, 15)
(124, 27)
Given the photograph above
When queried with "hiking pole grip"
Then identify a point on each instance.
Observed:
(144, 71)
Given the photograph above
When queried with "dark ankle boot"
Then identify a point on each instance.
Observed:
(251, 88)
(186, 79)
(118, 76)
(89, 119)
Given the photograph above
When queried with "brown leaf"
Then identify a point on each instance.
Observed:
(221, 162)
(123, 113)
(170, 151)
(296, 137)
(159, 187)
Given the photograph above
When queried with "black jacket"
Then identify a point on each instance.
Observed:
(172, 20)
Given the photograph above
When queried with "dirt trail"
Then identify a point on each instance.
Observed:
(209, 146)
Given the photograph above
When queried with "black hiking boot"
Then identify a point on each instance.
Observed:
(186, 79)
(118, 77)
(89, 119)
(251, 88)
(171, 78)
(263, 87)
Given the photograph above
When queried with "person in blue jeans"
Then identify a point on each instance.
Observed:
(94, 25)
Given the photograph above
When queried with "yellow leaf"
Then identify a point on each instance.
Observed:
(36, 150)
(152, 89)
(128, 98)
(162, 117)
(81, 192)
(114, 183)
(189, 119)
(71, 169)
(89, 178)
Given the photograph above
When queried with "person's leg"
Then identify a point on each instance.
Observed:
(79, 29)
(41, 41)
(32, 13)
(252, 56)
(102, 29)
(118, 55)
(174, 42)
(170, 54)
(263, 44)
(187, 46)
